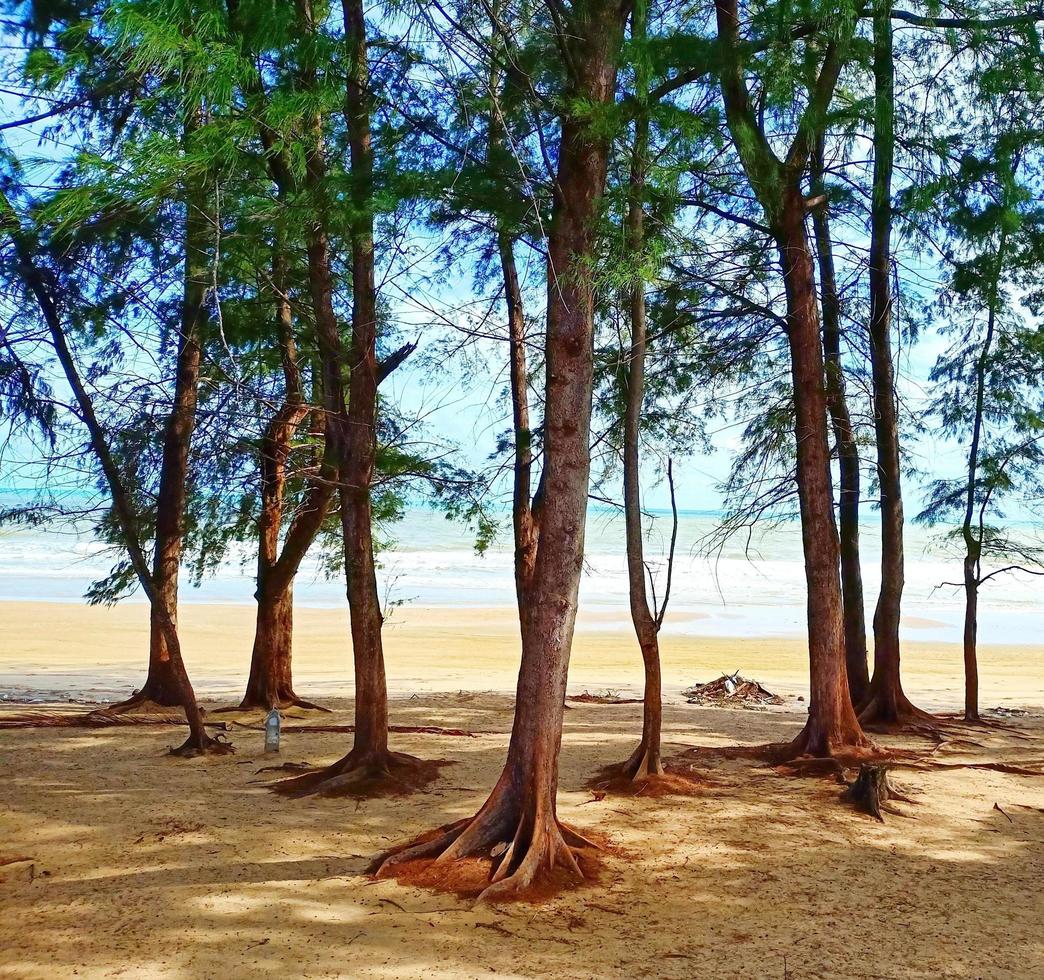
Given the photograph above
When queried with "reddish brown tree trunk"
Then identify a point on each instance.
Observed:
(847, 449)
(352, 433)
(163, 685)
(358, 461)
(168, 682)
(170, 679)
(832, 723)
(519, 820)
(885, 703)
(523, 527)
(270, 683)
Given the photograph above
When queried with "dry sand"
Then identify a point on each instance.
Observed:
(146, 866)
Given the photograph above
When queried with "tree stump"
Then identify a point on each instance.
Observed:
(871, 792)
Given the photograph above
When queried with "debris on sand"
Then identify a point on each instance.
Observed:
(731, 691)
(609, 697)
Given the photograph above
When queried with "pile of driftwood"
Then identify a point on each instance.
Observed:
(731, 691)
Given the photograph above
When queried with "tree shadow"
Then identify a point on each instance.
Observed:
(155, 866)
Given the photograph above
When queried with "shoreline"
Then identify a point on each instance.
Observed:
(67, 651)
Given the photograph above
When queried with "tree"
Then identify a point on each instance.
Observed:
(39, 282)
(884, 701)
(990, 396)
(518, 825)
(844, 436)
(84, 219)
(645, 760)
(351, 431)
(832, 725)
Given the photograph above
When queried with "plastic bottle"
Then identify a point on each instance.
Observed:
(272, 723)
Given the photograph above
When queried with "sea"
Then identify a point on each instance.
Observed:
(748, 586)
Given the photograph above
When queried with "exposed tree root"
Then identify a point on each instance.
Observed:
(892, 711)
(365, 775)
(1010, 768)
(395, 729)
(497, 856)
(99, 718)
(813, 742)
(193, 747)
(872, 792)
(642, 763)
(349, 729)
(610, 697)
(143, 700)
(640, 776)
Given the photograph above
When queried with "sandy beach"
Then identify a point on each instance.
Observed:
(62, 650)
(117, 860)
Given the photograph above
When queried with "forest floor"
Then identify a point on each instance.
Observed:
(136, 864)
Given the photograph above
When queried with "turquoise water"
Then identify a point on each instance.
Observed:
(739, 591)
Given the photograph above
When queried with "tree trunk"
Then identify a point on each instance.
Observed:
(174, 676)
(885, 702)
(167, 682)
(270, 683)
(832, 725)
(847, 449)
(518, 822)
(370, 767)
(645, 760)
(970, 533)
(971, 631)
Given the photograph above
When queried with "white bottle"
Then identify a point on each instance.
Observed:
(272, 723)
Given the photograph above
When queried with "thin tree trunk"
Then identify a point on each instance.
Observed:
(177, 686)
(360, 445)
(847, 449)
(167, 682)
(971, 632)
(645, 760)
(523, 526)
(973, 541)
(370, 767)
(525, 538)
(885, 702)
(521, 811)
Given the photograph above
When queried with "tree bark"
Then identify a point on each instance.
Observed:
(370, 767)
(521, 811)
(645, 760)
(973, 541)
(167, 682)
(832, 725)
(847, 450)
(523, 527)
(971, 638)
(270, 683)
(885, 703)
